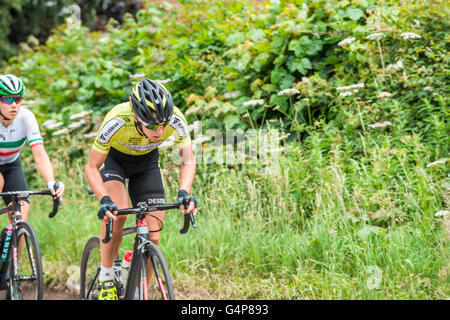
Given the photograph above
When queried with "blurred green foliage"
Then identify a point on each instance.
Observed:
(228, 62)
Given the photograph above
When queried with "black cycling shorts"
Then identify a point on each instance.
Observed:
(143, 174)
(14, 179)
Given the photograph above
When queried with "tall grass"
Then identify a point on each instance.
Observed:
(322, 224)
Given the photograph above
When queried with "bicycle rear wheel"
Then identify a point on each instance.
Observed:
(26, 283)
(151, 277)
(90, 269)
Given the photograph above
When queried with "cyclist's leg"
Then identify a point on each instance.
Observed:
(14, 180)
(148, 187)
(114, 182)
(118, 193)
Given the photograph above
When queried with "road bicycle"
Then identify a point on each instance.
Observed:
(21, 264)
(147, 260)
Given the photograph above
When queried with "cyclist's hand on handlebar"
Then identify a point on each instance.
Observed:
(108, 209)
(58, 192)
(185, 199)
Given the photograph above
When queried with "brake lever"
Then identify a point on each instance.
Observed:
(188, 218)
(56, 203)
(109, 228)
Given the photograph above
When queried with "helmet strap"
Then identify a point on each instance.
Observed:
(3, 116)
(138, 125)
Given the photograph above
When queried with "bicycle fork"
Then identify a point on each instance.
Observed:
(144, 245)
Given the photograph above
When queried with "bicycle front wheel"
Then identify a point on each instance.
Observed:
(90, 269)
(150, 278)
(26, 281)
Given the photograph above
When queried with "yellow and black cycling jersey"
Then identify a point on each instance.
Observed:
(118, 131)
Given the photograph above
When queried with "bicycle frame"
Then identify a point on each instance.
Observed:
(142, 239)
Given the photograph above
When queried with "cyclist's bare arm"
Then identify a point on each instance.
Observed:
(187, 174)
(95, 181)
(44, 166)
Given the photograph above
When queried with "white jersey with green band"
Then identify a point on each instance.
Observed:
(13, 137)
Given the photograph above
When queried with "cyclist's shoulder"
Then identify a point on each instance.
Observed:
(178, 123)
(121, 110)
(116, 120)
(179, 113)
(25, 113)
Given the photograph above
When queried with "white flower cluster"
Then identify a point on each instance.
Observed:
(60, 132)
(384, 94)
(90, 135)
(346, 93)
(349, 90)
(77, 124)
(410, 35)
(231, 94)
(253, 102)
(442, 213)
(288, 92)
(353, 86)
(52, 124)
(347, 41)
(376, 36)
(396, 66)
(164, 81)
(137, 75)
(79, 115)
(380, 125)
(436, 163)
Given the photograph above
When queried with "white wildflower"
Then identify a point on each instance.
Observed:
(90, 135)
(59, 132)
(436, 163)
(232, 94)
(380, 125)
(284, 136)
(137, 75)
(52, 124)
(253, 102)
(384, 94)
(345, 94)
(77, 124)
(48, 122)
(396, 66)
(288, 92)
(353, 86)
(442, 213)
(193, 110)
(306, 80)
(377, 36)
(164, 81)
(410, 35)
(79, 115)
(428, 88)
(347, 41)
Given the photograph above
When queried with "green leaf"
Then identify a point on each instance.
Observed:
(234, 39)
(261, 61)
(300, 65)
(230, 121)
(256, 35)
(354, 14)
(277, 75)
